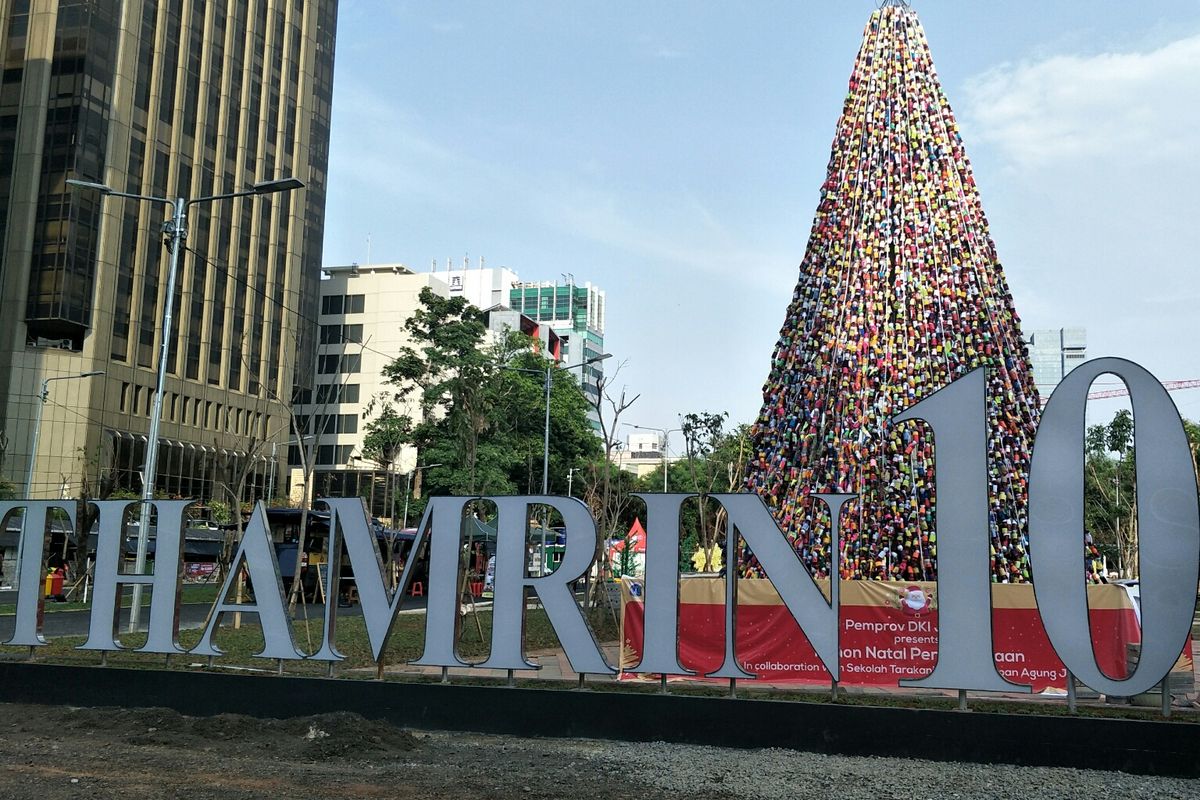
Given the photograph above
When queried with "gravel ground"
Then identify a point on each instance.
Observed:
(56, 752)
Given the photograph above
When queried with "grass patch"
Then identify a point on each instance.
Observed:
(192, 593)
(406, 642)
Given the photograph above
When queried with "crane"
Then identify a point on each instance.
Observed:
(1170, 386)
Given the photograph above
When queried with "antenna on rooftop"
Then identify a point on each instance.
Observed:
(368, 249)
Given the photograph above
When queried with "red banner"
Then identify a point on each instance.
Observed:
(888, 632)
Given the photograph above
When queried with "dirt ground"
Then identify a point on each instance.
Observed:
(58, 752)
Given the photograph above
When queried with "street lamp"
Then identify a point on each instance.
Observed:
(408, 491)
(33, 448)
(666, 438)
(546, 436)
(175, 235)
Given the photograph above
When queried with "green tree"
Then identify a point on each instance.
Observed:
(702, 433)
(385, 435)
(1110, 496)
(1192, 431)
(452, 376)
(482, 406)
(520, 424)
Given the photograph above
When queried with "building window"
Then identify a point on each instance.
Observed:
(341, 334)
(336, 363)
(335, 304)
(341, 423)
(330, 454)
(332, 394)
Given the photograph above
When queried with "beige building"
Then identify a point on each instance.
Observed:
(183, 99)
(362, 316)
(643, 454)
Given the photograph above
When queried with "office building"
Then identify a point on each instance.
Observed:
(187, 99)
(500, 320)
(576, 314)
(362, 315)
(489, 289)
(1054, 353)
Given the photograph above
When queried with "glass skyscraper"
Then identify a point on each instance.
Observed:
(576, 314)
(183, 98)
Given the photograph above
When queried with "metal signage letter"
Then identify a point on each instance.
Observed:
(26, 626)
(349, 519)
(1168, 525)
(554, 589)
(258, 552)
(818, 620)
(660, 644)
(162, 635)
(958, 415)
(444, 520)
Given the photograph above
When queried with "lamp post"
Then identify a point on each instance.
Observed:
(546, 435)
(175, 235)
(408, 490)
(666, 437)
(33, 448)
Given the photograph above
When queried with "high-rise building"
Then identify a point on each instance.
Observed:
(1054, 353)
(189, 98)
(362, 315)
(576, 314)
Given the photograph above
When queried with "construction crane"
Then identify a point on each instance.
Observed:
(1170, 386)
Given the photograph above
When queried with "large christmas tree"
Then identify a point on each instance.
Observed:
(900, 293)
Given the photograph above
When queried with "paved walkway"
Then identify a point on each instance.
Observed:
(556, 668)
(553, 664)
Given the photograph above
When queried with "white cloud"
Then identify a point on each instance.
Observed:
(1088, 170)
(1141, 106)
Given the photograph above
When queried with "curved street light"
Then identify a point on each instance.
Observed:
(175, 235)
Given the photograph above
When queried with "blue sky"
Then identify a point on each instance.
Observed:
(672, 153)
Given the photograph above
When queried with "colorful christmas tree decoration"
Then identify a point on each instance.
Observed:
(900, 293)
